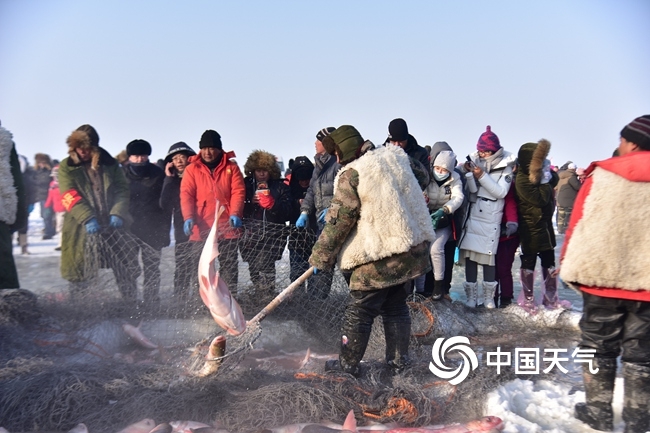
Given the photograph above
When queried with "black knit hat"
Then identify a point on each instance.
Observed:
(324, 133)
(210, 138)
(398, 130)
(138, 147)
(180, 147)
(638, 132)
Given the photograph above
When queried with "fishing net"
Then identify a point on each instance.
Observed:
(66, 356)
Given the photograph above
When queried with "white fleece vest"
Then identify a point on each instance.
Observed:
(610, 245)
(393, 217)
(8, 194)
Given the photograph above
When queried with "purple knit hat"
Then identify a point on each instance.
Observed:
(488, 141)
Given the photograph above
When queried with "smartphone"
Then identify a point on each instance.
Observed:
(471, 163)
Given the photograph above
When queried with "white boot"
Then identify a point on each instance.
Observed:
(489, 287)
(470, 291)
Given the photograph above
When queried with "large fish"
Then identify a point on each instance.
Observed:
(213, 290)
(487, 424)
(142, 426)
(213, 358)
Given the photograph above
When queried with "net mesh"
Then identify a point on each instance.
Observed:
(66, 356)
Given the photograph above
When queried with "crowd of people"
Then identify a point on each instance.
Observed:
(390, 217)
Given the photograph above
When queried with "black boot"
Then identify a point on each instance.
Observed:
(636, 401)
(353, 347)
(504, 302)
(438, 290)
(599, 390)
(397, 337)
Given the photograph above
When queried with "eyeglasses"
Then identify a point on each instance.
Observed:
(483, 153)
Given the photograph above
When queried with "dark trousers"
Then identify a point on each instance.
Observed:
(151, 269)
(186, 270)
(48, 220)
(616, 326)
(8, 273)
(546, 257)
(365, 305)
(504, 259)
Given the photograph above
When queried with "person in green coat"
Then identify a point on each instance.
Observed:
(13, 208)
(536, 205)
(95, 195)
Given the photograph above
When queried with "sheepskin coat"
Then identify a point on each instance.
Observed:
(8, 191)
(535, 200)
(607, 244)
(378, 224)
(482, 226)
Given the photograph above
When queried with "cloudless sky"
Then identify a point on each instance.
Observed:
(269, 74)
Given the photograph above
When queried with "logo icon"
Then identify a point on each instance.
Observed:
(441, 347)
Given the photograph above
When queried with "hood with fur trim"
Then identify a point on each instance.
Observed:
(262, 160)
(81, 140)
(45, 158)
(531, 158)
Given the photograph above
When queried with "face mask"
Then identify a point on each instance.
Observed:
(139, 168)
(440, 177)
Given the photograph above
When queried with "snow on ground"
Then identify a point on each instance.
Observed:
(524, 405)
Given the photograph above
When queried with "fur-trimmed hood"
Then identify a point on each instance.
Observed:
(262, 160)
(531, 158)
(81, 140)
(45, 158)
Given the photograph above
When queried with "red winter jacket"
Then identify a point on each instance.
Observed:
(607, 244)
(200, 189)
(54, 198)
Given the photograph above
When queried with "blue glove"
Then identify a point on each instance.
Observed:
(116, 222)
(302, 220)
(92, 226)
(315, 270)
(235, 221)
(321, 216)
(187, 226)
(30, 208)
(511, 228)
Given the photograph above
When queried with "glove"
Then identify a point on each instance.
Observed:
(321, 216)
(92, 226)
(302, 220)
(511, 228)
(30, 208)
(435, 217)
(266, 201)
(315, 270)
(187, 227)
(546, 172)
(116, 222)
(235, 222)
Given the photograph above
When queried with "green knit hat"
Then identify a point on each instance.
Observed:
(347, 142)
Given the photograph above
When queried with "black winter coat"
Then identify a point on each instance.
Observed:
(170, 202)
(151, 223)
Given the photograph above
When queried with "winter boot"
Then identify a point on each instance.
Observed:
(636, 402)
(438, 290)
(504, 302)
(599, 391)
(470, 291)
(488, 293)
(353, 347)
(527, 283)
(550, 289)
(22, 240)
(397, 345)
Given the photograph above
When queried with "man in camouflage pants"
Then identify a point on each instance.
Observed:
(379, 251)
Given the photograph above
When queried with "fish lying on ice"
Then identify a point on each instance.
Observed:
(136, 335)
(215, 352)
(142, 426)
(187, 426)
(349, 425)
(487, 424)
(164, 427)
(213, 290)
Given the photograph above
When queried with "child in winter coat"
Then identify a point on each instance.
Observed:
(54, 202)
(444, 196)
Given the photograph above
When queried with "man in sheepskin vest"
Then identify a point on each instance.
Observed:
(378, 229)
(13, 208)
(605, 255)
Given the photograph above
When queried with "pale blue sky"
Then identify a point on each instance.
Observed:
(269, 74)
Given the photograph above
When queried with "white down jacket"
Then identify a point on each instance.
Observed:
(482, 225)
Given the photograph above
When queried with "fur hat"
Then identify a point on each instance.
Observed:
(398, 130)
(180, 147)
(302, 168)
(262, 160)
(638, 132)
(122, 157)
(445, 159)
(138, 147)
(210, 138)
(324, 133)
(488, 141)
(531, 158)
(84, 137)
(345, 141)
(44, 158)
